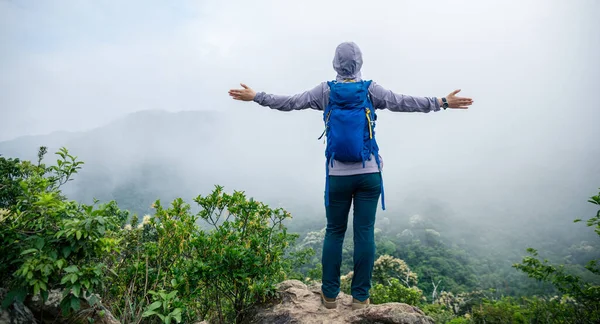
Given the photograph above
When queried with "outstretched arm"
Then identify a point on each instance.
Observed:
(386, 99)
(314, 98)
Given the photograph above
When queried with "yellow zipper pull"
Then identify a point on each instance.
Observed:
(368, 111)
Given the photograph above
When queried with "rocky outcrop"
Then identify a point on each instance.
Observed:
(16, 313)
(50, 312)
(299, 304)
(36, 311)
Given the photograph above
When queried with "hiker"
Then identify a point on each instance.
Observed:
(353, 163)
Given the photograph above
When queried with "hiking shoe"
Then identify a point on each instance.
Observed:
(328, 302)
(357, 304)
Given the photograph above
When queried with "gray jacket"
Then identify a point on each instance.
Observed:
(347, 62)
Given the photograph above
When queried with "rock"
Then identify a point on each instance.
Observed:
(300, 304)
(50, 312)
(390, 313)
(35, 311)
(17, 313)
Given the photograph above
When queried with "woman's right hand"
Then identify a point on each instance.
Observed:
(246, 94)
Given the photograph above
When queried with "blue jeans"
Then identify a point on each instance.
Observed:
(364, 191)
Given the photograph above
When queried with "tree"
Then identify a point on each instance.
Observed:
(585, 293)
(49, 242)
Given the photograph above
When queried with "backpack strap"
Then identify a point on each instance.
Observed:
(381, 174)
(327, 110)
(372, 119)
(327, 178)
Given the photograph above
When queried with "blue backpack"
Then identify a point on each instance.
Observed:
(350, 127)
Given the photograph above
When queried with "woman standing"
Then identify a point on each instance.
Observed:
(353, 170)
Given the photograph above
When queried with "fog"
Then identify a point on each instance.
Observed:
(525, 151)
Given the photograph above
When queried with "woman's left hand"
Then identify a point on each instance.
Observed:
(246, 94)
(457, 102)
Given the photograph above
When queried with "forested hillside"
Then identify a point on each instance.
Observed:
(459, 253)
(177, 265)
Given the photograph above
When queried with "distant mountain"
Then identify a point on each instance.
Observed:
(144, 132)
(156, 154)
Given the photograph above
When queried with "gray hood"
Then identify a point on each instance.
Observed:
(347, 61)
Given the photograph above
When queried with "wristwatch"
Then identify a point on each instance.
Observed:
(445, 105)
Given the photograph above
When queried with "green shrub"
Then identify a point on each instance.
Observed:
(393, 281)
(505, 310)
(219, 273)
(585, 293)
(49, 242)
(440, 313)
(166, 268)
(459, 320)
(242, 257)
(395, 291)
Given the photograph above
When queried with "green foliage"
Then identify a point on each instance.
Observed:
(217, 264)
(505, 310)
(49, 242)
(393, 281)
(396, 292)
(166, 267)
(155, 257)
(555, 310)
(10, 173)
(437, 264)
(217, 273)
(530, 310)
(461, 303)
(579, 302)
(242, 257)
(387, 267)
(512, 310)
(441, 314)
(585, 293)
(162, 307)
(315, 274)
(296, 260)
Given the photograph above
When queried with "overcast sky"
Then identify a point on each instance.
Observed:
(532, 68)
(72, 65)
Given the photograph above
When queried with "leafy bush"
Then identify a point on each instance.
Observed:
(505, 310)
(242, 258)
(162, 306)
(10, 173)
(166, 268)
(217, 274)
(387, 267)
(586, 294)
(219, 263)
(555, 310)
(49, 242)
(155, 262)
(393, 281)
(461, 303)
(395, 291)
(439, 312)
